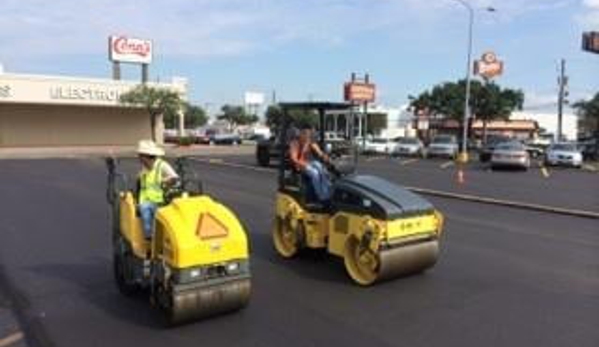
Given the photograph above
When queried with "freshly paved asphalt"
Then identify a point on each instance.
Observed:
(506, 277)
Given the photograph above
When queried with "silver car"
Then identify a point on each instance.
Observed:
(443, 146)
(408, 146)
(510, 154)
(566, 154)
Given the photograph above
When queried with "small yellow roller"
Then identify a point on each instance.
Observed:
(196, 264)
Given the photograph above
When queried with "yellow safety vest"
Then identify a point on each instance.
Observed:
(151, 184)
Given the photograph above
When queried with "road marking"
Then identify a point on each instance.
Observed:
(215, 160)
(230, 164)
(408, 161)
(374, 158)
(10, 339)
(589, 167)
(449, 195)
(544, 172)
(446, 164)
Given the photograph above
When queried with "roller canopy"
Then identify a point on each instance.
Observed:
(395, 201)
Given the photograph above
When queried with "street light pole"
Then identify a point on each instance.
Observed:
(464, 147)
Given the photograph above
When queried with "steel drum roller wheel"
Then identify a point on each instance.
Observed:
(361, 263)
(285, 238)
(206, 302)
(122, 268)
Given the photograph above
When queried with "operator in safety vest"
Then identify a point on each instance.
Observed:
(155, 173)
(303, 153)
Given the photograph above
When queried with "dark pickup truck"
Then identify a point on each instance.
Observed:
(270, 149)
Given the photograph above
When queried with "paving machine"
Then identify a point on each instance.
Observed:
(380, 229)
(197, 262)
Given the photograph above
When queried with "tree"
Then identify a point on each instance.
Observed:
(376, 122)
(488, 101)
(588, 113)
(236, 116)
(195, 116)
(274, 116)
(156, 102)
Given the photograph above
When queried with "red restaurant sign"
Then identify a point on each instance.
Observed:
(359, 92)
(129, 50)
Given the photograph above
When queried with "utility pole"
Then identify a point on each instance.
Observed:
(562, 82)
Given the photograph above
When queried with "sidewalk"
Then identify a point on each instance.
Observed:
(103, 151)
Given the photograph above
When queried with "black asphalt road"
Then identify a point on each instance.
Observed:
(506, 277)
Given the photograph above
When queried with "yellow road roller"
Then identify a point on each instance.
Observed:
(380, 229)
(196, 264)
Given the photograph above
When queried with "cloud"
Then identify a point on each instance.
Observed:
(202, 28)
(589, 19)
(593, 4)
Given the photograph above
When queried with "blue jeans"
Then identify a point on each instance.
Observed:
(147, 211)
(319, 179)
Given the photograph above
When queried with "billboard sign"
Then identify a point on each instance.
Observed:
(253, 98)
(129, 49)
(359, 92)
(590, 41)
(488, 66)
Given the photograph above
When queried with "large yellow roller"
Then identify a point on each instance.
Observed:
(380, 229)
(197, 263)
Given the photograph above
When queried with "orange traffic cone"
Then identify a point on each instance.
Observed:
(460, 176)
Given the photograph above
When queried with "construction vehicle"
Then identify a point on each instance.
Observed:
(195, 265)
(380, 229)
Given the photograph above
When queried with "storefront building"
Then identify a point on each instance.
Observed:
(38, 110)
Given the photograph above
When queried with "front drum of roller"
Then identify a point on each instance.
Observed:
(366, 267)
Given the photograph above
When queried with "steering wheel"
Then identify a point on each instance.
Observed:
(172, 189)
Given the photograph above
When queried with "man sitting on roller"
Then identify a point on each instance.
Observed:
(303, 153)
(154, 174)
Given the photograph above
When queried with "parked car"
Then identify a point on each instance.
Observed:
(486, 151)
(443, 146)
(510, 154)
(590, 147)
(224, 139)
(567, 154)
(269, 150)
(171, 136)
(379, 146)
(409, 146)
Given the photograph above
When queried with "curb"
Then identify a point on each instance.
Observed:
(87, 153)
(507, 203)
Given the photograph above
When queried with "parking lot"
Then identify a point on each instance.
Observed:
(506, 276)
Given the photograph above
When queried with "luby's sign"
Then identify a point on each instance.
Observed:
(489, 66)
(359, 92)
(129, 50)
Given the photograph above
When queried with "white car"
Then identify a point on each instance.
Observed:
(380, 146)
(443, 146)
(408, 146)
(566, 154)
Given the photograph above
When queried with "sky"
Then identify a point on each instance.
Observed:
(306, 49)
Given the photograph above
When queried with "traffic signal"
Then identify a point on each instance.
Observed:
(590, 41)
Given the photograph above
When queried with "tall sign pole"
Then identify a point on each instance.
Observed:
(562, 82)
(360, 92)
(366, 80)
(488, 67)
(124, 49)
